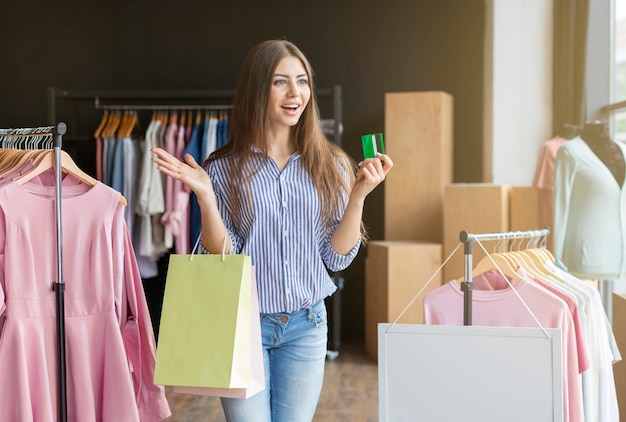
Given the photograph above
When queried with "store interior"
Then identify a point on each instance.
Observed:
(467, 134)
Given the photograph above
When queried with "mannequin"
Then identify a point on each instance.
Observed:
(589, 234)
(596, 135)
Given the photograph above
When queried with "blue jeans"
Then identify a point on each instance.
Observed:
(294, 354)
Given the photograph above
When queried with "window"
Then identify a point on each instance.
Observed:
(617, 114)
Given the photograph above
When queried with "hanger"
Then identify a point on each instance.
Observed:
(15, 159)
(121, 131)
(538, 264)
(131, 121)
(189, 120)
(7, 157)
(530, 260)
(539, 256)
(530, 263)
(112, 124)
(125, 123)
(68, 166)
(135, 123)
(183, 118)
(486, 264)
(103, 121)
(539, 248)
(12, 160)
(165, 116)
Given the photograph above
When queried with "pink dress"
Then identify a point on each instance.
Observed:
(110, 345)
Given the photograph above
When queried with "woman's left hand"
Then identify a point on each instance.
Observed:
(372, 172)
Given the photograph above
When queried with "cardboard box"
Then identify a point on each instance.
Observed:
(531, 209)
(418, 136)
(477, 208)
(395, 271)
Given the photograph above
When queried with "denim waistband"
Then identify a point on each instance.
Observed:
(301, 313)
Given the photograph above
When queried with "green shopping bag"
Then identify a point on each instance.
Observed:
(205, 332)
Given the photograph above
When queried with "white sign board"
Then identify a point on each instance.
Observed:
(439, 373)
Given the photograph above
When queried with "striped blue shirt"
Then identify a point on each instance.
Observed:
(283, 233)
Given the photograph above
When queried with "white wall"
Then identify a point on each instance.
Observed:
(518, 87)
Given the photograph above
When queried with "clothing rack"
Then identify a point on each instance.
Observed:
(200, 99)
(467, 285)
(160, 107)
(11, 138)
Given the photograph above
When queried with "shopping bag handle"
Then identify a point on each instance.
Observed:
(195, 247)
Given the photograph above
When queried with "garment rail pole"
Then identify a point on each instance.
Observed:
(160, 107)
(467, 286)
(59, 286)
(56, 96)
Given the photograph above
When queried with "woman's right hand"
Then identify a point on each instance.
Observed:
(188, 172)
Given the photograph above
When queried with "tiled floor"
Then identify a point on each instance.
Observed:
(350, 393)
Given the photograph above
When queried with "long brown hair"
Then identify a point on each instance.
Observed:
(248, 125)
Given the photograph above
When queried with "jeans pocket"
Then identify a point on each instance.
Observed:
(318, 315)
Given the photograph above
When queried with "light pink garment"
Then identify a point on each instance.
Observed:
(544, 172)
(99, 159)
(495, 304)
(110, 345)
(14, 173)
(581, 347)
(171, 136)
(179, 219)
(544, 180)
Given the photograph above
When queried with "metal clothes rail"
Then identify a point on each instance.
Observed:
(467, 286)
(202, 98)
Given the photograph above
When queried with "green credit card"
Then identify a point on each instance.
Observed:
(372, 144)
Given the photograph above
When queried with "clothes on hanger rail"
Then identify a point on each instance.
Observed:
(110, 343)
(162, 214)
(557, 299)
(495, 304)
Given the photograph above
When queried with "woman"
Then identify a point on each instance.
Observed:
(282, 193)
